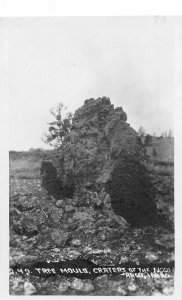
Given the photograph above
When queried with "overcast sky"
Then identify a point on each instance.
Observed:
(129, 59)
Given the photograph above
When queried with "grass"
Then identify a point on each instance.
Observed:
(163, 147)
(162, 168)
(23, 168)
(165, 163)
(25, 179)
(25, 164)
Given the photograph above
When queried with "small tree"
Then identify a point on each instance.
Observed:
(59, 127)
(165, 134)
(141, 131)
(170, 134)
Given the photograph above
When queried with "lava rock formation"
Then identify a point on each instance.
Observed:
(101, 152)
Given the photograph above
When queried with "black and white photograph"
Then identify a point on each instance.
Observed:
(91, 155)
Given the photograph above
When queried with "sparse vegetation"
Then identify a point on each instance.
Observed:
(42, 228)
(26, 164)
(59, 127)
(142, 245)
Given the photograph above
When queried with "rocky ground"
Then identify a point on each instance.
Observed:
(42, 228)
(102, 217)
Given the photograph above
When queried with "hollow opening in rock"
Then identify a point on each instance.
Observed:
(52, 184)
(131, 194)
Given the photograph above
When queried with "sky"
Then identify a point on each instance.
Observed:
(70, 59)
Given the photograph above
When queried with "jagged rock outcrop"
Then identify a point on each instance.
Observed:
(102, 151)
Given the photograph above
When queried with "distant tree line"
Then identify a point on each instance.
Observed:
(142, 133)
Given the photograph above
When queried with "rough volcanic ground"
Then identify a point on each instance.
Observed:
(35, 235)
(106, 212)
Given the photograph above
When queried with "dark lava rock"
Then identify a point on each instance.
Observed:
(59, 236)
(25, 228)
(26, 216)
(60, 203)
(24, 202)
(69, 208)
(103, 151)
(56, 215)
